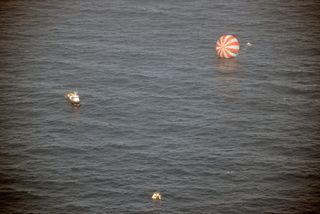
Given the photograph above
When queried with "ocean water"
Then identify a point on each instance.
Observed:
(160, 111)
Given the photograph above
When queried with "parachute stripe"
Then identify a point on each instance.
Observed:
(227, 46)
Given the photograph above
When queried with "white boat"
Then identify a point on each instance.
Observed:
(73, 98)
(156, 196)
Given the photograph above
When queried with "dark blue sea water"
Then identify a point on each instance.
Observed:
(160, 112)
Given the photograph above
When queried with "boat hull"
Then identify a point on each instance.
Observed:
(72, 102)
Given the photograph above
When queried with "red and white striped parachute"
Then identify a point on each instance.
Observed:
(227, 46)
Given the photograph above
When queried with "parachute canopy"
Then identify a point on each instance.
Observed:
(227, 46)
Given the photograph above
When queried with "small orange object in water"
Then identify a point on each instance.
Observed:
(227, 46)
